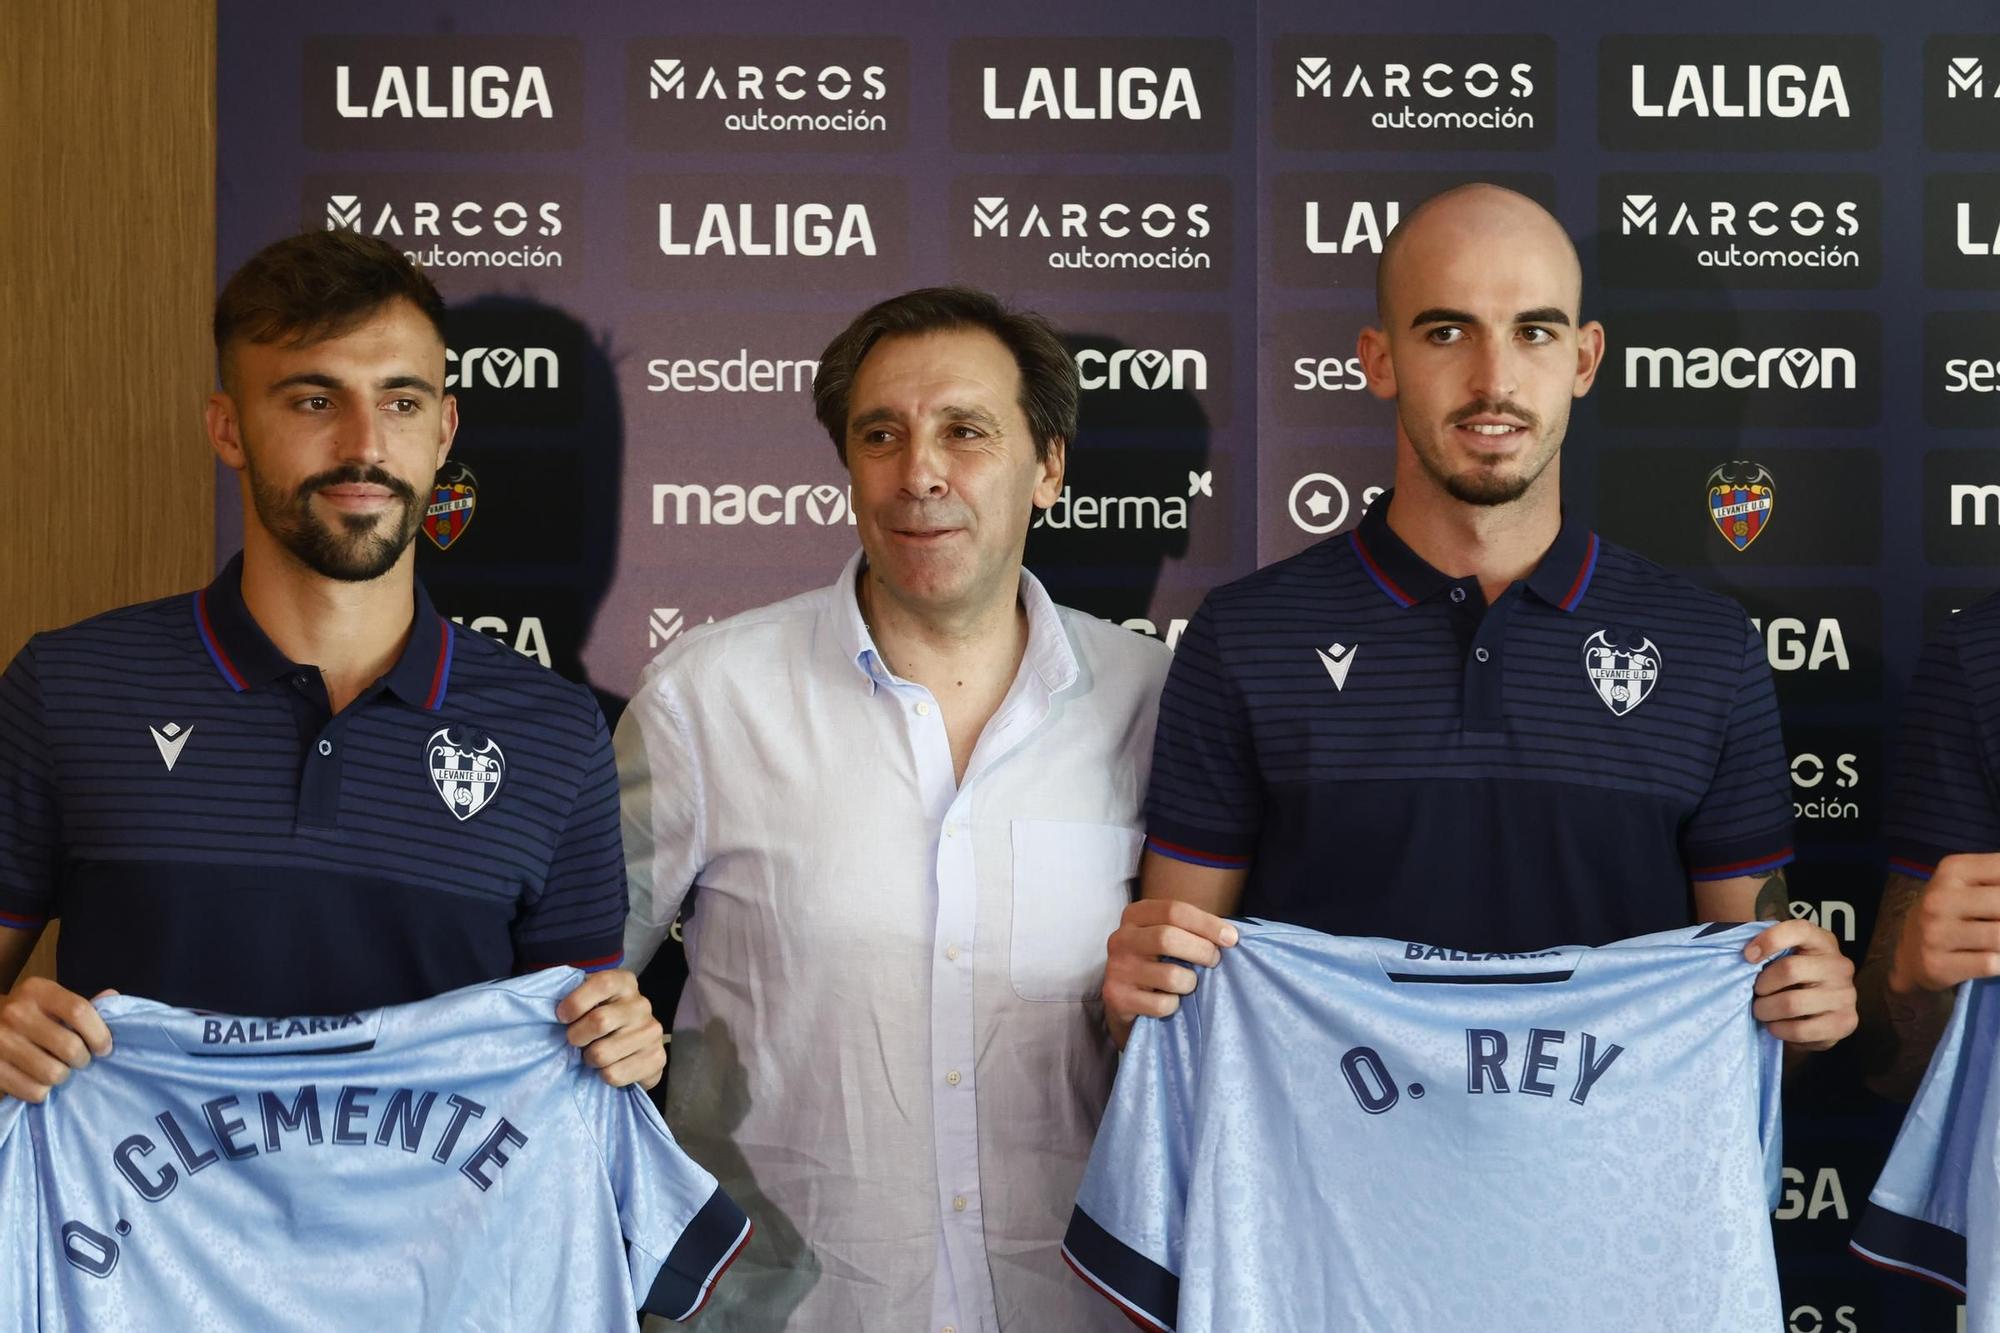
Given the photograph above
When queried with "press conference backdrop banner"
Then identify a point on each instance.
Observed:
(648, 219)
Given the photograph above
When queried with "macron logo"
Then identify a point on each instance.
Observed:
(1337, 658)
(170, 738)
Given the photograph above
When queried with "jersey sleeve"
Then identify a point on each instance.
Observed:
(681, 1231)
(578, 920)
(1941, 796)
(660, 804)
(1204, 801)
(1127, 1233)
(30, 819)
(1743, 822)
(20, 1222)
(1921, 1209)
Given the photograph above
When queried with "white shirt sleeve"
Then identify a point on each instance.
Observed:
(660, 813)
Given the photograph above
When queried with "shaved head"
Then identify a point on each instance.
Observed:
(1481, 219)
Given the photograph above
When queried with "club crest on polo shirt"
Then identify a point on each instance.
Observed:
(466, 768)
(1741, 499)
(1622, 673)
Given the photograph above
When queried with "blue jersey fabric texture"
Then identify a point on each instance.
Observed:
(451, 1164)
(1362, 1134)
(1934, 1209)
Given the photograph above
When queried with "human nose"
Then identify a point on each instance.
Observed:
(360, 438)
(924, 470)
(1495, 371)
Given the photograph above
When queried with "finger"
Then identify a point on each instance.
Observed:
(1804, 969)
(1188, 947)
(33, 1065)
(1172, 978)
(633, 1069)
(1188, 917)
(620, 1045)
(1129, 1002)
(1952, 935)
(1815, 1033)
(1971, 867)
(608, 1017)
(72, 1011)
(1803, 936)
(20, 1087)
(51, 1037)
(1789, 1005)
(594, 990)
(1963, 902)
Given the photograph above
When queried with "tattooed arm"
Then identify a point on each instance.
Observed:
(1805, 999)
(1929, 936)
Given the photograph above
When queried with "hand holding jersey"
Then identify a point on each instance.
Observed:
(46, 1034)
(1952, 932)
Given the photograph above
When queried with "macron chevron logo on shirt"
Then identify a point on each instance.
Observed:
(450, 1164)
(1341, 1133)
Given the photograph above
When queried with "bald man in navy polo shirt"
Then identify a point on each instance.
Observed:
(300, 790)
(1471, 722)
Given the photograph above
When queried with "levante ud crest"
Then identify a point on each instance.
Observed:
(1622, 675)
(1741, 499)
(466, 769)
(454, 495)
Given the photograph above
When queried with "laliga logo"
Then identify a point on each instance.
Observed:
(481, 92)
(1704, 91)
(1182, 368)
(501, 368)
(1120, 94)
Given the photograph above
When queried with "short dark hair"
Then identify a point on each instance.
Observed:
(1048, 372)
(318, 284)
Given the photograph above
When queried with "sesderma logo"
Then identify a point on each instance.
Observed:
(1414, 92)
(1126, 513)
(685, 504)
(724, 94)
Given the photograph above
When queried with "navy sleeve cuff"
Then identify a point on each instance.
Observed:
(1902, 1244)
(1149, 1295)
(1740, 858)
(706, 1248)
(1199, 846)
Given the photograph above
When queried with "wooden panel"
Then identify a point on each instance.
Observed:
(107, 263)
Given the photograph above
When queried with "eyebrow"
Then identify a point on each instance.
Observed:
(1547, 314)
(949, 413)
(315, 379)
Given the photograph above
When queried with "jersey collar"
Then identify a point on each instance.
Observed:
(1561, 579)
(246, 658)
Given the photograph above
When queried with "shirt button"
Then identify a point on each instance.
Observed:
(1458, 594)
(952, 1078)
(326, 747)
(951, 952)
(923, 710)
(958, 1203)
(1481, 654)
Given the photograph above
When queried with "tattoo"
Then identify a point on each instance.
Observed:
(1898, 1032)
(1774, 900)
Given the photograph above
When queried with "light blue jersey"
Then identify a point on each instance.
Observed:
(1935, 1209)
(451, 1164)
(1342, 1134)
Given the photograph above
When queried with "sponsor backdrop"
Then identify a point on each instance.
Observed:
(649, 225)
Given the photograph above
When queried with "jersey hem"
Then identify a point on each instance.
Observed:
(1890, 1240)
(1147, 1293)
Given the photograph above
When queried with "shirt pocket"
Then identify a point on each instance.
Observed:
(1071, 884)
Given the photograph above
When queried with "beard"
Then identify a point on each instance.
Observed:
(359, 547)
(1484, 484)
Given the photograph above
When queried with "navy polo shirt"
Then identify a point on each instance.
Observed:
(1389, 755)
(213, 836)
(1945, 795)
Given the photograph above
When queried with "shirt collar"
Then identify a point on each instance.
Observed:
(246, 658)
(1560, 579)
(1049, 654)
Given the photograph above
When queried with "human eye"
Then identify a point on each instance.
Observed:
(314, 403)
(1444, 335)
(1537, 336)
(405, 407)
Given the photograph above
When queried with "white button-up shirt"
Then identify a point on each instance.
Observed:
(890, 1049)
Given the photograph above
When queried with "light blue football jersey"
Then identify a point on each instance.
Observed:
(1338, 1135)
(1935, 1210)
(451, 1164)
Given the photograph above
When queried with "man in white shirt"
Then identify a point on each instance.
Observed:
(911, 805)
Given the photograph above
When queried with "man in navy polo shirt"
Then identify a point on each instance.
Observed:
(1470, 722)
(220, 825)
